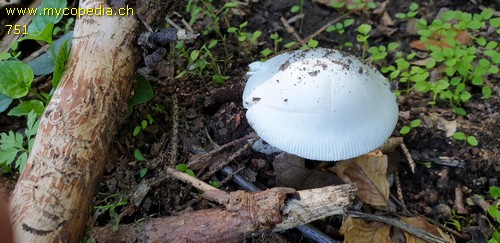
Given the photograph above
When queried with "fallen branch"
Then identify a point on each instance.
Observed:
(245, 213)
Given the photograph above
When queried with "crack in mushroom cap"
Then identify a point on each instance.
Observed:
(320, 104)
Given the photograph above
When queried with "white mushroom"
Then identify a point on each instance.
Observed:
(319, 104)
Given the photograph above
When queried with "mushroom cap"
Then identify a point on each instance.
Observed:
(320, 104)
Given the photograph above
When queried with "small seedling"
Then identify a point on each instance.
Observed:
(311, 44)
(110, 203)
(412, 12)
(138, 155)
(471, 140)
(494, 212)
(340, 27)
(143, 172)
(185, 169)
(362, 37)
(215, 184)
(406, 129)
(144, 124)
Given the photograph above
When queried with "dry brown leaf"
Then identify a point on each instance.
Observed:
(387, 20)
(422, 224)
(418, 44)
(421, 62)
(357, 230)
(368, 171)
(439, 40)
(450, 127)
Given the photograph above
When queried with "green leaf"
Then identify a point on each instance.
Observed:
(486, 92)
(421, 86)
(41, 35)
(181, 167)
(494, 192)
(138, 155)
(425, 33)
(5, 102)
(143, 172)
(215, 184)
(472, 141)
(460, 111)
(487, 13)
(212, 44)
(219, 79)
(230, 4)
(312, 43)
(21, 161)
(44, 64)
(190, 172)
(404, 130)
(289, 44)
(442, 85)
(9, 155)
(24, 108)
(416, 123)
(491, 45)
(364, 29)
(495, 22)
(330, 28)
(266, 52)
(295, 9)
(144, 124)
(494, 212)
(413, 7)
(392, 46)
(459, 136)
(136, 131)
(16, 78)
(481, 41)
(400, 16)
(4, 55)
(143, 92)
(465, 96)
(60, 64)
(348, 22)
(47, 14)
(474, 25)
(493, 69)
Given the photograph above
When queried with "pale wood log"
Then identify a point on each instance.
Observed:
(246, 213)
(53, 197)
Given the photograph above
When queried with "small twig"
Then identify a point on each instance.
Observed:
(219, 166)
(171, 22)
(400, 224)
(399, 189)
(320, 30)
(292, 31)
(184, 22)
(408, 156)
(209, 192)
(206, 156)
(174, 142)
(459, 201)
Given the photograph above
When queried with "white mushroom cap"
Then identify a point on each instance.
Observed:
(320, 104)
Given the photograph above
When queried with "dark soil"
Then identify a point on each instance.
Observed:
(193, 116)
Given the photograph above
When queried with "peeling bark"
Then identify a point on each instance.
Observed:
(246, 213)
(53, 197)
